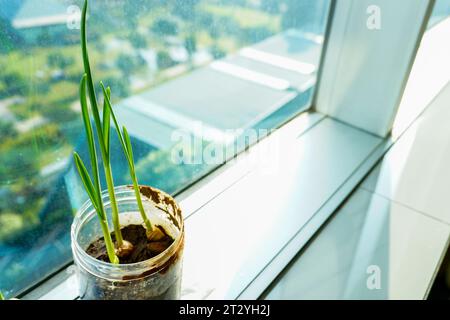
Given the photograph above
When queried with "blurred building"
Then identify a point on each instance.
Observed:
(37, 21)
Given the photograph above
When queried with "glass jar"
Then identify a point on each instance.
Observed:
(155, 278)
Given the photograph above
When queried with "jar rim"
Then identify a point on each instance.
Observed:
(86, 212)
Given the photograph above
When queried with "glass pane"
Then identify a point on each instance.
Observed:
(182, 73)
(441, 11)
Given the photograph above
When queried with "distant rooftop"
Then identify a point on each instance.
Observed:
(236, 92)
(33, 13)
(9, 8)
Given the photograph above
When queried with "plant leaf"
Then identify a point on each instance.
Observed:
(89, 134)
(116, 124)
(87, 67)
(89, 81)
(86, 181)
(128, 145)
(134, 178)
(106, 121)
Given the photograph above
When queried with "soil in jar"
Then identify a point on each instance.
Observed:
(143, 248)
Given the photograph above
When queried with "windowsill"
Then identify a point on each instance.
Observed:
(319, 162)
(395, 226)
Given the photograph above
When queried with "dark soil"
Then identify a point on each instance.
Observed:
(143, 248)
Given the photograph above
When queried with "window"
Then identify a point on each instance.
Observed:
(441, 11)
(201, 67)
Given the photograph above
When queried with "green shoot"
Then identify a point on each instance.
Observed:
(93, 189)
(103, 140)
(125, 142)
(102, 128)
(106, 120)
(2, 297)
